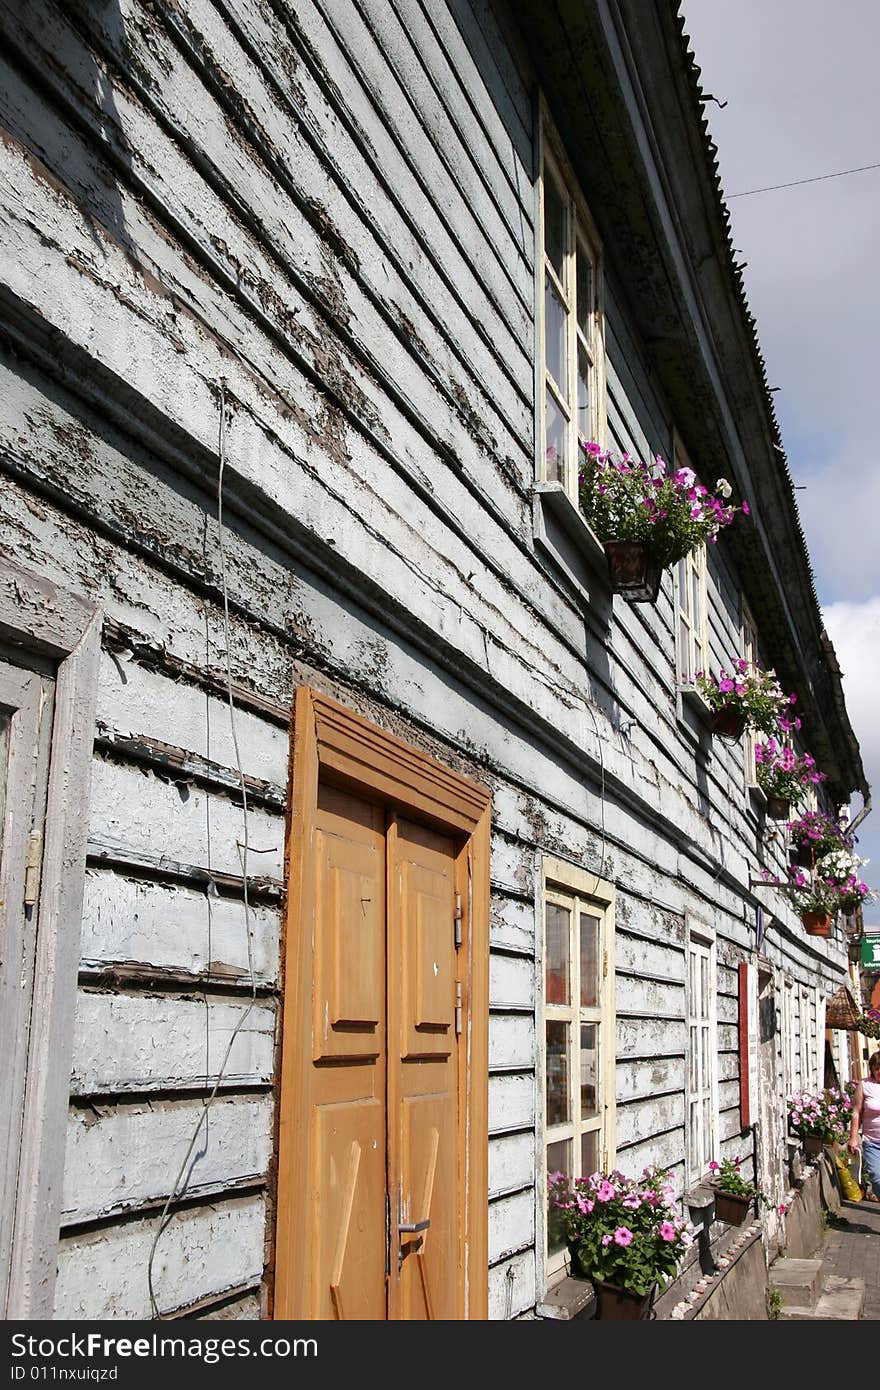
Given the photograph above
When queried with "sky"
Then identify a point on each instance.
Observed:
(800, 83)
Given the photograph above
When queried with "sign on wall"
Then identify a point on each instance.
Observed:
(871, 952)
(748, 1044)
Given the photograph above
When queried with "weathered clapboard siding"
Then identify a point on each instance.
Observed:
(511, 983)
(512, 1287)
(204, 1251)
(511, 1100)
(175, 929)
(132, 1043)
(121, 1157)
(511, 1163)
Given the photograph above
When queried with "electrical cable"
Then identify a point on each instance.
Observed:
(819, 178)
(179, 1184)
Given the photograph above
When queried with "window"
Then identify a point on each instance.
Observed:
(807, 1049)
(789, 1040)
(691, 601)
(702, 1103)
(578, 1030)
(750, 654)
(570, 313)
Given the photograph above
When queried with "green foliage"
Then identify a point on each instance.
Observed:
(624, 1231)
(728, 1178)
(774, 1303)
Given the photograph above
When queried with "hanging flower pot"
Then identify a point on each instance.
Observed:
(614, 1302)
(802, 855)
(634, 572)
(728, 723)
(778, 807)
(817, 923)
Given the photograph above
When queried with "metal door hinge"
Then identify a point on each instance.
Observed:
(456, 918)
(458, 1007)
(32, 870)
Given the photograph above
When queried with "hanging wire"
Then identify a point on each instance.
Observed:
(181, 1180)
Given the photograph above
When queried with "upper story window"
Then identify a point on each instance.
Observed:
(750, 654)
(579, 1031)
(691, 605)
(571, 320)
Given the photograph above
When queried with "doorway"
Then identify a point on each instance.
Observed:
(382, 1181)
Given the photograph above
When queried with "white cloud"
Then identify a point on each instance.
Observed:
(854, 628)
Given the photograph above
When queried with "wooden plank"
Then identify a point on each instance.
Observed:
(511, 1041)
(512, 1163)
(511, 1101)
(134, 701)
(513, 1293)
(119, 1157)
(203, 1252)
(176, 929)
(134, 1043)
(512, 923)
(243, 1309)
(134, 808)
(511, 1225)
(511, 982)
(653, 1076)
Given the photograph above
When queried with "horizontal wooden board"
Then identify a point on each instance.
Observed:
(511, 982)
(512, 1287)
(148, 1042)
(175, 929)
(511, 1162)
(135, 809)
(511, 1102)
(511, 1041)
(204, 1251)
(119, 1157)
(511, 1225)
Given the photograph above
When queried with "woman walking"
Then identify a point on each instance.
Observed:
(866, 1116)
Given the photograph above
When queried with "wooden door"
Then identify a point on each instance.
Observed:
(377, 1216)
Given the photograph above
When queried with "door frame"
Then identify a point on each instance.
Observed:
(38, 617)
(330, 742)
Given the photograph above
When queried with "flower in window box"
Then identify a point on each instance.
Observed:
(733, 1194)
(750, 692)
(622, 1231)
(782, 775)
(664, 513)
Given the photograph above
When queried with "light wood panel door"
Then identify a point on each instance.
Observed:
(384, 1013)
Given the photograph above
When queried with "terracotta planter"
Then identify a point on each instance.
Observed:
(633, 571)
(778, 808)
(613, 1302)
(731, 1207)
(816, 923)
(728, 723)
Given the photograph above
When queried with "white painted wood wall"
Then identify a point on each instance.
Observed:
(344, 235)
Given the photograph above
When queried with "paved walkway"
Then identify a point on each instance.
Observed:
(851, 1249)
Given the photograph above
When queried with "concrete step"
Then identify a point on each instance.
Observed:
(841, 1300)
(798, 1281)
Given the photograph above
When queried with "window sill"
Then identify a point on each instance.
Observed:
(569, 1299)
(563, 535)
(695, 701)
(757, 796)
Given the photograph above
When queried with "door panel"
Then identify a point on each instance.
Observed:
(345, 1222)
(423, 1155)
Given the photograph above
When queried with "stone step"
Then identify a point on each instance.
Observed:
(841, 1300)
(798, 1281)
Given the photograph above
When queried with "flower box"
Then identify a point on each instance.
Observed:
(728, 723)
(731, 1207)
(816, 923)
(617, 1303)
(634, 572)
(778, 808)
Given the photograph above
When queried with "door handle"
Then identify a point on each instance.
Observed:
(415, 1226)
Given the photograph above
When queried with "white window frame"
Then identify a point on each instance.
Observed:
(574, 887)
(691, 600)
(789, 1048)
(749, 633)
(580, 232)
(704, 1020)
(806, 1048)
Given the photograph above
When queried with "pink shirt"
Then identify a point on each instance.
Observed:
(871, 1111)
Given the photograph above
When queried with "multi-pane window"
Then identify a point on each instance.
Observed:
(571, 320)
(578, 1034)
(789, 1039)
(702, 1104)
(691, 605)
(750, 654)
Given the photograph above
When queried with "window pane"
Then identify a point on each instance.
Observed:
(705, 1042)
(555, 237)
(589, 1070)
(589, 960)
(557, 963)
(554, 424)
(558, 1165)
(583, 394)
(683, 588)
(705, 1156)
(694, 1138)
(584, 294)
(555, 333)
(589, 1153)
(704, 988)
(695, 606)
(558, 1071)
(692, 1050)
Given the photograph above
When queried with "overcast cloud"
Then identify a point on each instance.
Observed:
(803, 98)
